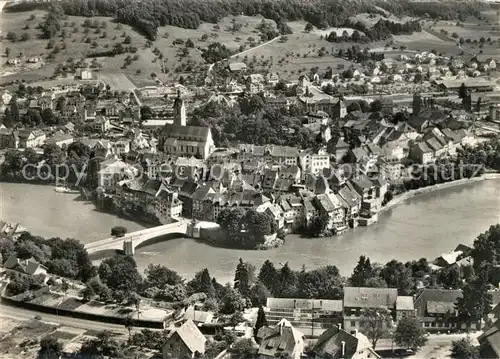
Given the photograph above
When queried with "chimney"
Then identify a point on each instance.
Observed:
(281, 329)
(343, 349)
(340, 326)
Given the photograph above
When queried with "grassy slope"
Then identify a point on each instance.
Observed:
(291, 52)
(148, 62)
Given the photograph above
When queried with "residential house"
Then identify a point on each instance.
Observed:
(281, 154)
(255, 83)
(314, 163)
(9, 138)
(336, 343)
(61, 139)
(272, 78)
(113, 171)
(337, 147)
(29, 138)
(293, 212)
(435, 308)
(310, 211)
(489, 342)
(99, 147)
(120, 147)
(83, 74)
(312, 317)
(25, 268)
(198, 197)
(12, 230)
(185, 342)
(237, 67)
(198, 316)
(101, 123)
(283, 339)
(276, 213)
(329, 205)
(422, 153)
(404, 307)
(351, 201)
(168, 206)
(356, 299)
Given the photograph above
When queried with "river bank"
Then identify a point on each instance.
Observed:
(409, 231)
(437, 187)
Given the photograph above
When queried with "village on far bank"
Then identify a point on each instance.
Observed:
(243, 159)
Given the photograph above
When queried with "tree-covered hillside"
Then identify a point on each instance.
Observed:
(146, 16)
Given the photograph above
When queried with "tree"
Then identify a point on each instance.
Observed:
(104, 345)
(259, 294)
(128, 322)
(287, 282)
(64, 286)
(50, 348)
(242, 349)
(202, 283)
(48, 117)
(476, 301)
(120, 273)
(7, 51)
(397, 275)
(322, 283)
(135, 300)
(241, 278)
(12, 36)
(463, 92)
(87, 293)
(261, 320)
(362, 272)
(449, 277)
(231, 301)
(268, 276)
(409, 333)
(160, 276)
(128, 40)
(118, 231)
(463, 349)
(189, 43)
(375, 322)
(309, 27)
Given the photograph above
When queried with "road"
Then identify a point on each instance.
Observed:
(437, 346)
(17, 313)
(244, 52)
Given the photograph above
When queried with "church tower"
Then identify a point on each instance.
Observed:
(179, 111)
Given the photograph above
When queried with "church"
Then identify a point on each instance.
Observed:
(181, 140)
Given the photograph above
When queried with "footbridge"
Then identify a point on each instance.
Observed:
(131, 241)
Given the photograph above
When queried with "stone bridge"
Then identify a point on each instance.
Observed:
(131, 241)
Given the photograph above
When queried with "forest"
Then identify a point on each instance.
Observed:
(147, 16)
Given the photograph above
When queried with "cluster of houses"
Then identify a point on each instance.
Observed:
(333, 326)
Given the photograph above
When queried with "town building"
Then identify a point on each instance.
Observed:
(356, 299)
(185, 342)
(29, 138)
(336, 343)
(282, 339)
(25, 268)
(182, 140)
(312, 317)
(435, 308)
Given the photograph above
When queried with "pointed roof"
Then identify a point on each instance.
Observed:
(191, 336)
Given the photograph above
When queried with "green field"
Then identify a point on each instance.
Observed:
(139, 71)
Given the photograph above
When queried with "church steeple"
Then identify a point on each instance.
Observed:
(179, 110)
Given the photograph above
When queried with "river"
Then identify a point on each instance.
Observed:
(424, 226)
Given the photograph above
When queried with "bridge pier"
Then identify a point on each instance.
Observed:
(128, 247)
